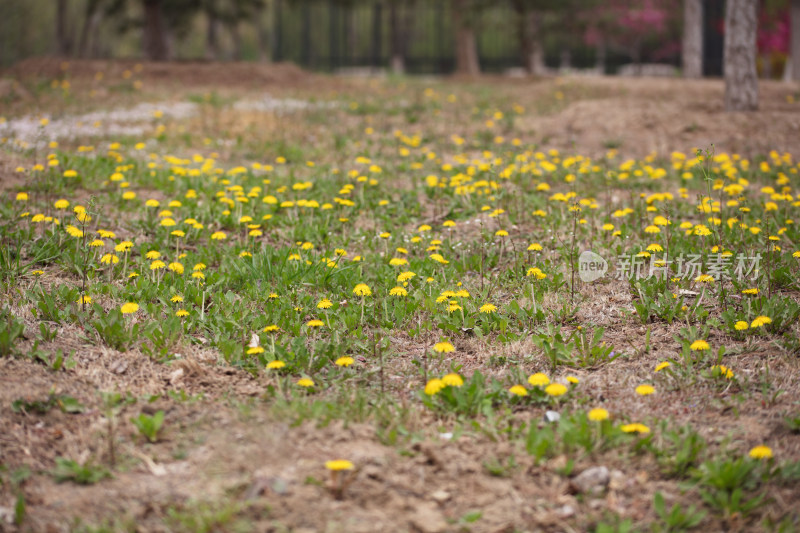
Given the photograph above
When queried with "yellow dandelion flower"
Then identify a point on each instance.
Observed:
(276, 365)
(129, 308)
(635, 428)
(645, 390)
(305, 382)
(538, 379)
(699, 345)
(598, 414)
(518, 390)
(760, 321)
(443, 347)
(662, 365)
(761, 452)
(362, 289)
(555, 389)
(453, 380)
(344, 361)
(434, 386)
(339, 465)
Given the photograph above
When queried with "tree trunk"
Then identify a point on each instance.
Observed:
(263, 37)
(62, 41)
(794, 47)
(601, 57)
(398, 60)
(530, 38)
(692, 52)
(212, 32)
(236, 39)
(88, 28)
(155, 38)
(741, 78)
(466, 45)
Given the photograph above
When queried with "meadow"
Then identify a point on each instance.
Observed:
(322, 304)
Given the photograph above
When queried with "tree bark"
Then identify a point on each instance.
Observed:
(466, 45)
(212, 31)
(155, 38)
(692, 52)
(62, 40)
(397, 58)
(263, 37)
(530, 37)
(741, 78)
(794, 46)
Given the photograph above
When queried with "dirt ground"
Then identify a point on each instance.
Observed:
(232, 461)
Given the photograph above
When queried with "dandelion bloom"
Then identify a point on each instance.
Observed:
(538, 380)
(339, 464)
(129, 308)
(398, 291)
(85, 299)
(443, 347)
(662, 365)
(344, 361)
(488, 308)
(276, 365)
(555, 389)
(699, 345)
(433, 386)
(536, 272)
(761, 452)
(305, 382)
(722, 371)
(754, 291)
(362, 289)
(324, 304)
(271, 328)
(598, 414)
(572, 380)
(635, 428)
(157, 264)
(181, 313)
(218, 235)
(518, 390)
(177, 298)
(176, 267)
(741, 325)
(315, 323)
(61, 204)
(405, 276)
(398, 261)
(645, 390)
(108, 259)
(453, 380)
(254, 350)
(760, 321)
(535, 247)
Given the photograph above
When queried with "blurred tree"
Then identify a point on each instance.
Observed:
(154, 35)
(794, 48)
(529, 15)
(63, 38)
(464, 14)
(741, 78)
(401, 15)
(692, 49)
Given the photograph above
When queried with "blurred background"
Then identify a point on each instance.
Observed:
(412, 36)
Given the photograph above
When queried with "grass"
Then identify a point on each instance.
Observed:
(413, 272)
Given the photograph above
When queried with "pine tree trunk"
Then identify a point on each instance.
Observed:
(155, 39)
(741, 78)
(397, 58)
(692, 53)
(530, 39)
(263, 37)
(62, 41)
(794, 47)
(466, 46)
(212, 31)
